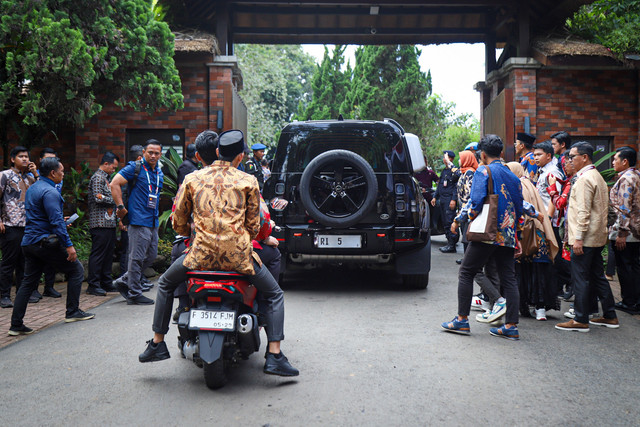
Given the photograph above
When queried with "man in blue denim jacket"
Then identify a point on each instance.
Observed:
(46, 242)
(503, 250)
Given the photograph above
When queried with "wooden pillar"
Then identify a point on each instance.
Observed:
(490, 53)
(222, 27)
(524, 30)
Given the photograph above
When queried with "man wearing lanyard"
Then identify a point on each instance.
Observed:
(143, 219)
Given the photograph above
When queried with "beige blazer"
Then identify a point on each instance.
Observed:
(588, 206)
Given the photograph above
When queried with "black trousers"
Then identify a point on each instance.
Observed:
(103, 244)
(628, 264)
(35, 258)
(587, 273)
(476, 256)
(12, 259)
(561, 267)
(447, 218)
(271, 258)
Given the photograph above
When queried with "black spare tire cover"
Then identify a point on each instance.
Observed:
(338, 188)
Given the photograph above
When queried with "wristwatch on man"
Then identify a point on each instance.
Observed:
(120, 207)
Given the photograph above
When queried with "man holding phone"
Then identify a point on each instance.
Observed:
(46, 242)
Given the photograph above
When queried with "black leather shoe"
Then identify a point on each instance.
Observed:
(278, 364)
(34, 299)
(122, 288)
(36, 294)
(154, 352)
(631, 309)
(99, 292)
(51, 293)
(448, 249)
(140, 300)
(109, 288)
(459, 261)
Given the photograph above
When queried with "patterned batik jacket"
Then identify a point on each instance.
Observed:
(102, 212)
(464, 187)
(528, 162)
(510, 207)
(13, 189)
(625, 199)
(224, 203)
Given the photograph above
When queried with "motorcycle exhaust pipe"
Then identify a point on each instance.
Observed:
(246, 323)
(189, 349)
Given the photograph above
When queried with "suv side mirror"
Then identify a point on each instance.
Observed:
(415, 152)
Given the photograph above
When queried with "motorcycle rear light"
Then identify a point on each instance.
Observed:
(381, 235)
(280, 240)
(297, 234)
(404, 240)
(214, 299)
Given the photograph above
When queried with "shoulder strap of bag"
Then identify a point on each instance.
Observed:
(490, 188)
(136, 172)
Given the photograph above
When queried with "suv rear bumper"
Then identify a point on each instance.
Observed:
(376, 243)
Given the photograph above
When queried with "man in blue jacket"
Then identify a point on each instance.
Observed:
(46, 242)
(509, 190)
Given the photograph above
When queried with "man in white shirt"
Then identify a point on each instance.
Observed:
(547, 165)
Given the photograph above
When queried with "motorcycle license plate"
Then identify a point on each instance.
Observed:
(338, 241)
(213, 320)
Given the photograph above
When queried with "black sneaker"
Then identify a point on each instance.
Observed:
(78, 315)
(140, 300)
(278, 364)
(94, 290)
(146, 286)
(154, 352)
(51, 293)
(34, 298)
(14, 331)
(5, 302)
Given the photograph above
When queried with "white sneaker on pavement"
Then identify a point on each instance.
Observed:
(499, 310)
(541, 314)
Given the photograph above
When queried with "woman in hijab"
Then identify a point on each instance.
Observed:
(534, 272)
(468, 166)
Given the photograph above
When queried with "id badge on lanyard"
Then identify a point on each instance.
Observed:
(152, 200)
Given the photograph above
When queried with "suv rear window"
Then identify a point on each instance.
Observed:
(376, 146)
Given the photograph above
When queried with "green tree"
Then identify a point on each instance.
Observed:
(388, 82)
(612, 23)
(330, 85)
(61, 61)
(277, 78)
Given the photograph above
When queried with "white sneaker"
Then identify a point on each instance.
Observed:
(541, 314)
(486, 305)
(498, 322)
(476, 303)
(571, 314)
(499, 310)
(483, 317)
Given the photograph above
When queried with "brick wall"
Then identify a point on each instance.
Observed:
(589, 103)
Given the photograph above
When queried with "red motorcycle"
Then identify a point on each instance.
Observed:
(222, 327)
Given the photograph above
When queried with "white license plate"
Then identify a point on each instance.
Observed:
(338, 241)
(217, 320)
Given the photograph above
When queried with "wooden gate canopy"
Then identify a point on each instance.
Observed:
(362, 22)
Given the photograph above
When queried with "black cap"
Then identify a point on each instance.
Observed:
(450, 153)
(231, 143)
(525, 137)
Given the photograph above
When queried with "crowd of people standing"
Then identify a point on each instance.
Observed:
(555, 215)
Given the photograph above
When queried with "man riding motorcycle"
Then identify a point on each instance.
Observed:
(224, 203)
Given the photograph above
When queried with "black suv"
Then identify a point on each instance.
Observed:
(352, 197)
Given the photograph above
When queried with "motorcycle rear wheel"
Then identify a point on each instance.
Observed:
(215, 374)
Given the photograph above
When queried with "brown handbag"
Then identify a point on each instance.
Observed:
(529, 239)
(484, 227)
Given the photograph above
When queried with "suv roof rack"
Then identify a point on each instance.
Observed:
(396, 124)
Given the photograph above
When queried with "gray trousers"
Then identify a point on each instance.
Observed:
(143, 250)
(272, 298)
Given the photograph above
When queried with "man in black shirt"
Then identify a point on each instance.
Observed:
(447, 195)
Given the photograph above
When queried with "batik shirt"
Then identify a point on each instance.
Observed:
(528, 162)
(13, 189)
(464, 187)
(224, 203)
(625, 199)
(102, 212)
(509, 190)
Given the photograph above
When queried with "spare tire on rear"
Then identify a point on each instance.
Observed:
(338, 188)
